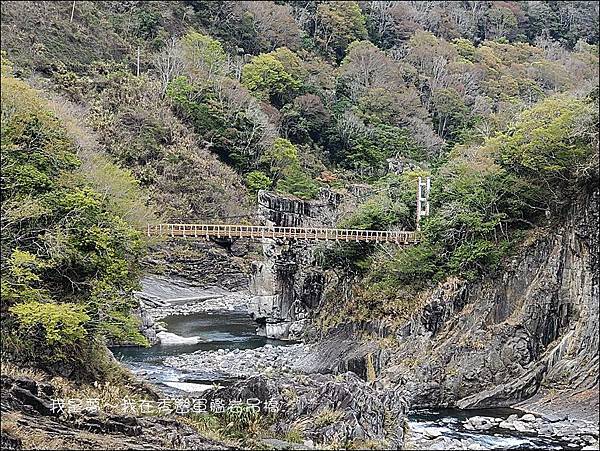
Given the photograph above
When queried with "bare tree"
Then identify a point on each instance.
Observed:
(272, 22)
(169, 63)
(367, 67)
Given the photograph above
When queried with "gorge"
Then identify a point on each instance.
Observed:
(287, 289)
(299, 225)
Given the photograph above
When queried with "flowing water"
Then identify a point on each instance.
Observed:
(186, 334)
(231, 329)
(449, 424)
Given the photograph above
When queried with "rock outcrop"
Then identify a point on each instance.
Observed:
(286, 285)
(342, 410)
(147, 324)
(204, 263)
(30, 421)
(498, 342)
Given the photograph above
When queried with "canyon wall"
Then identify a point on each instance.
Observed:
(287, 285)
(531, 331)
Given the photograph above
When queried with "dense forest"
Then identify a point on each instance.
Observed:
(116, 113)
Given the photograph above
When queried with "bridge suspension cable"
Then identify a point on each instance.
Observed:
(399, 237)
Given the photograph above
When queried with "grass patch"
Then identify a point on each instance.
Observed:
(328, 417)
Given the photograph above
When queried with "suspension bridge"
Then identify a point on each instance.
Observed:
(206, 231)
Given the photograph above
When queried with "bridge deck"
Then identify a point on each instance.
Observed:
(295, 233)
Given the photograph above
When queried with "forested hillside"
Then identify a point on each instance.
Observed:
(496, 100)
(119, 113)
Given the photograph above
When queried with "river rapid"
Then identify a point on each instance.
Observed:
(206, 336)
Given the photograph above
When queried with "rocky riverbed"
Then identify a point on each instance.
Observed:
(163, 296)
(242, 363)
(237, 301)
(217, 355)
(515, 431)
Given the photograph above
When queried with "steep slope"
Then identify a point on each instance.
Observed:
(498, 342)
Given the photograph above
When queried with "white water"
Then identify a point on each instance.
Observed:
(188, 386)
(169, 338)
(228, 330)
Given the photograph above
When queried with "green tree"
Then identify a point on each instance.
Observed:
(279, 157)
(203, 56)
(551, 141)
(282, 162)
(266, 76)
(305, 119)
(297, 182)
(501, 23)
(371, 150)
(451, 115)
(62, 323)
(258, 180)
(337, 25)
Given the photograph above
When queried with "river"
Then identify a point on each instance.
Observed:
(215, 330)
(212, 330)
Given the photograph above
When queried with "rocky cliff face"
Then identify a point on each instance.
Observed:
(286, 285)
(222, 264)
(501, 341)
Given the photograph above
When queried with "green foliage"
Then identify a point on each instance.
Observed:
(465, 48)
(148, 23)
(291, 63)
(63, 239)
(22, 266)
(294, 436)
(410, 267)
(297, 182)
(280, 157)
(305, 119)
(550, 140)
(203, 56)
(124, 195)
(482, 197)
(62, 323)
(36, 148)
(21, 280)
(282, 162)
(502, 23)
(340, 24)
(257, 180)
(232, 134)
(451, 115)
(473, 258)
(392, 204)
(369, 150)
(267, 77)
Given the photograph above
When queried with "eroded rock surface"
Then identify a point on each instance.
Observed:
(496, 343)
(340, 409)
(27, 405)
(286, 285)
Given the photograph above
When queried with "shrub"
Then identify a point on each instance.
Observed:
(298, 183)
(257, 180)
(72, 246)
(550, 140)
(62, 324)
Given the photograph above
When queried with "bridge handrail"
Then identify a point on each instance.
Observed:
(317, 233)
